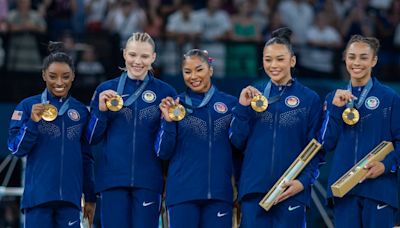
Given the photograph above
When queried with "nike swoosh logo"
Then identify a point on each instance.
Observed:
(219, 214)
(378, 207)
(146, 204)
(70, 223)
(290, 208)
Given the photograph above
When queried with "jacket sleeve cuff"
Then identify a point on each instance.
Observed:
(102, 116)
(168, 126)
(336, 112)
(390, 166)
(304, 180)
(32, 126)
(242, 112)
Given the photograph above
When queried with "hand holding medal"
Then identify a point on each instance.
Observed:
(251, 96)
(172, 110)
(344, 97)
(110, 100)
(44, 111)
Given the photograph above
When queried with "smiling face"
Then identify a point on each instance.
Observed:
(58, 77)
(277, 62)
(360, 59)
(197, 74)
(138, 58)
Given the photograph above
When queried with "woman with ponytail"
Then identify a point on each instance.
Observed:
(272, 138)
(125, 118)
(374, 201)
(48, 129)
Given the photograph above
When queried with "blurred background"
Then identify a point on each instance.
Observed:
(233, 32)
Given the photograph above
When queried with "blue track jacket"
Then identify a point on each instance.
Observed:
(379, 121)
(273, 139)
(128, 158)
(59, 161)
(199, 151)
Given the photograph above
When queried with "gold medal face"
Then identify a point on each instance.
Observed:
(115, 104)
(177, 112)
(350, 116)
(259, 103)
(50, 112)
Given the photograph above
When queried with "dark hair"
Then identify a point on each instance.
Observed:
(57, 54)
(201, 54)
(142, 37)
(371, 41)
(281, 36)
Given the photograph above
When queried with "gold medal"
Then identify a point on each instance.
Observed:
(115, 104)
(350, 116)
(176, 112)
(50, 112)
(259, 103)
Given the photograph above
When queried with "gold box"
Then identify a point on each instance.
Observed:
(291, 173)
(352, 177)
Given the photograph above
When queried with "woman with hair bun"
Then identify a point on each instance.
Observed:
(48, 129)
(199, 189)
(272, 136)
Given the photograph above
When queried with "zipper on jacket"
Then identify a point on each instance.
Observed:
(273, 142)
(209, 153)
(62, 158)
(356, 148)
(133, 146)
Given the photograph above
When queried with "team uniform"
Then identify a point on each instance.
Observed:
(199, 188)
(59, 166)
(272, 140)
(373, 202)
(129, 175)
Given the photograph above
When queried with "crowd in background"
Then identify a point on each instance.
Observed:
(232, 30)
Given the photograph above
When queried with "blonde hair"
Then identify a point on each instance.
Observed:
(141, 37)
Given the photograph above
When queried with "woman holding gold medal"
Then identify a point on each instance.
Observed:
(126, 117)
(194, 138)
(48, 129)
(357, 119)
(273, 124)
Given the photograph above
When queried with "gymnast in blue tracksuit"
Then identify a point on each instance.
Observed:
(199, 187)
(129, 178)
(273, 139)
(59, 166)
(373, 202)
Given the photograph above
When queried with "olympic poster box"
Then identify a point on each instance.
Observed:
(352, 177)
(290, 174)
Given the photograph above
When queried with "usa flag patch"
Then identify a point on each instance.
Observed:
(17, 115)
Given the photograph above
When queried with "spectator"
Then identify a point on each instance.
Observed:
(89, 68)
(323, 40)
(215, 22)
(95, 13)
(25, 26)
(244, 27)
(183, 26)
(155, 20)
(58, 14)
(125, 19)
(357, 21)
(215, 26)
(298, 15)
(242, 57)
